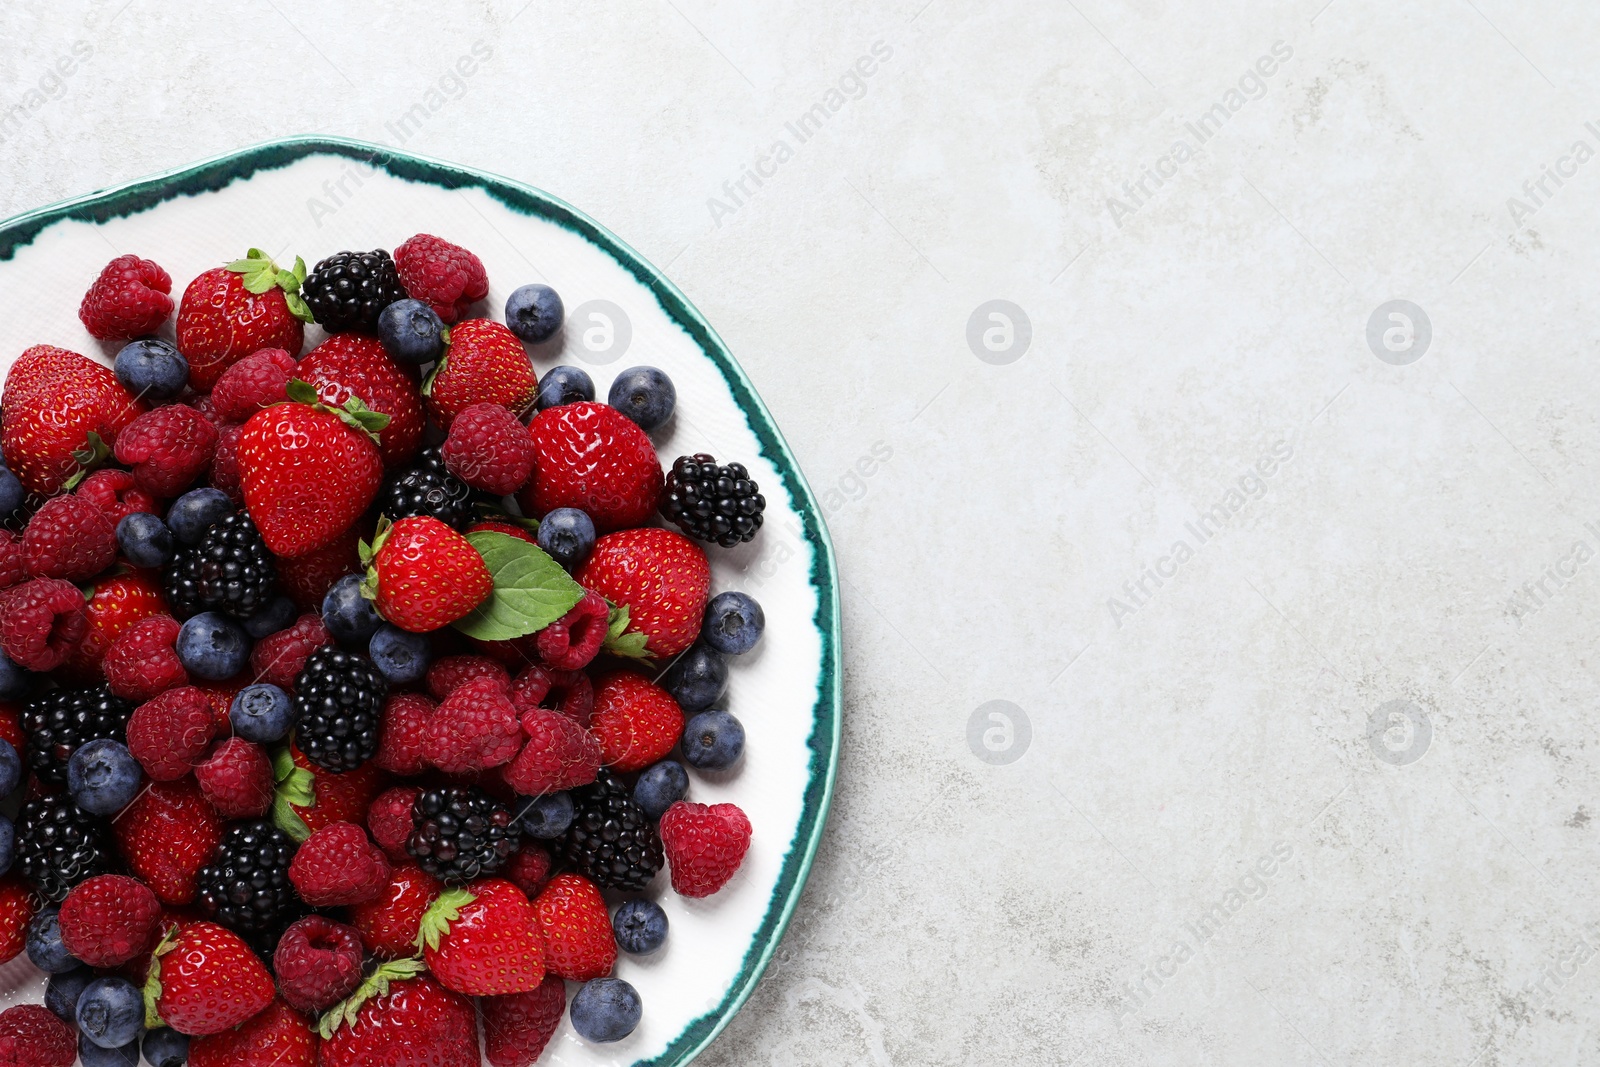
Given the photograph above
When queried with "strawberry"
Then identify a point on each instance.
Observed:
(559, 755)
(60, 413)
(230, 312)
(704, 845)
(400, 1018)
(388, 923)
(661, 577)
(594, 458)
(166, 835)
(115, 605)
(484, 364)
(203, 980)
(636, 721)
(482, 940)
(308, 471)
(109, 919)
(510, 529)
(577, 931)
(476, 728)
(423, 575)
(310, 798)
(339, 865)
(17, 905)
(353, 364)
(516, 1028)
(277, 1037)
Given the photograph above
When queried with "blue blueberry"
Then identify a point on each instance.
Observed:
(548, 816)
(14, 681)
(166, 1048)
(61, 993)
(564, 385)
(92, 1055)
(44, 943)
(145, 540)
(278, 615)
(11, 492)
(261, 713)
(697, 678)
(534, 313)
(152, 369)
(640, 926)
(400, 656)
(644, 394)
(568, 535)
(713, 740)
(661, 786)
(193, 513)
(213, 646)
(111, 1012)
(733, 623)
(347, 614)
(103, 777)
(411, 332)
(10, 767)
(606, 1009)
(8, 844)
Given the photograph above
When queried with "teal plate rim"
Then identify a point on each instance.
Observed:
(218, 172)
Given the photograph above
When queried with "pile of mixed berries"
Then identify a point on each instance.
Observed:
(346, 696)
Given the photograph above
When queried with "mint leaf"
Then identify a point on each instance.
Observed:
(531, 591)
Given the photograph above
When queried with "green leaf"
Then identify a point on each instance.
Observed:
(377, 985)
(445, 909)
(298, 307)
(299, 270)
(302, 392)
(427, 383)
(296, 787)
(260, 281)
(531, 591)
(619, 642)
(152, 982)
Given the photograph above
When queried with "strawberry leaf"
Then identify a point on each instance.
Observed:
(152, 982)
(261, 281)
(531, 591)
(427, 382)
(298, 307)
(377, 985)
(302, 392)
(619, 642)
(445, 909)
(296, 788)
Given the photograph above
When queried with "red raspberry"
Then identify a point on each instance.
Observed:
(389, 820)
(109, 919)
(130, 297)
(308, 578)
(12, 567)
(141, 661)
(592, 457)
(439, 273)
(31, 1036)
(169, 733)
(41, 622)
(569, 643)
(168, 448)
(518, 1026)
(474, 729)
(337, 866)
(569, 692)
(318, 963)
(452, 671)
(509, 529)
(204, 406)
(529, 868)
(70, 538)
(277, 658)
(405, 734)
(489, 449)
(636, 720)
(237, 779)
(559, 754)
(704, 845)
(251, 384)
(115, 493)
(224, 471)
(390, 921)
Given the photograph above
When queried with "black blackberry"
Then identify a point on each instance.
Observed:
(230, 571)
(347, 290)
(338, 708)
(712, 503)
(428, 489)
(245, 886)
(611, 839)
(59, 721)
(59, 845)
(460, 834)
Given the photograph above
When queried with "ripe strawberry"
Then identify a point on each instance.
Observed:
(404, 742)
(389, 922)
(109, 919)
(474, 729)
(636, 721)
(60, 411)
(577, 931)
(704, 845)
(115, 493)
(112, 609)
(169, 733)
(424, 575)
(559, 755)
(572, 641)
(132, 296)
(442, 275)
(236, 779)
(389, 819)
(31, 1036)
(332, 797)
(448, 672)
(204, 979)
(307, 471)
(318, 963)
(255, 382)
(11, 725)
(277, 1037)
(307, 579)
(489, 449)
(338, 865)
(483, 940)
(278, 658)
(17, 906)
(70, 538)
(41, 622)
(142, 662)
(661, 577)
(168, 448)
(516, 1028)
(484, 364)
(592, 457)
(529, 868)
(228, 313)
(166, 835)
(401, 1018)
(353, 364)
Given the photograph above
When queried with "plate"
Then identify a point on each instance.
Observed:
(316, 196)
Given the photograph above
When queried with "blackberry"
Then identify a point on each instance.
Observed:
(428, 489)
(460, 834)
(230, 571)
(611, 840)
(338, 708)
(245, 886)
(58, 722)
(348, 290)
(712, 503)
(59, 845)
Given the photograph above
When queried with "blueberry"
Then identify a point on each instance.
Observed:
(92, 1055)
(44, 943)
(534, 313)
(261, 713)
(278, 615)
(166, 1048)
(568, 535)
(111, 1012)
(564, 385)
(13, 679)
(733, 623)
(144, 539)
(644, 394)
(697, 678)
(10, 767)
(347, 614)
(11, 492)
(152, 369)
(661, 786)
(411, 332)
(640, 926)
(8, 844)
(548, 816)
(61, 993)
(606, 1009)
(213, 646)
(400, 656)
(192, 514)
(103, 777)
(713, 740)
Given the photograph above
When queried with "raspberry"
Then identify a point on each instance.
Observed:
(141, 662)
(109, 919)
(337, 866)
(529, 868)
(569, 643)
(559, 754)
(12, 567)
(704, 845)
(318, 963)
(452, 671)
(569, 692)
(278, 658)
(130, 297)
(41, 622)
(224, 471)
(439, 273)
(237, 779)
(636, 721)
(475, 728)
(389, 820)
(251, 384)
(308, 578)
(518, 1026)
(168, 448)
(31, 1036)
(489, 449)
(69, 537)
(405, 734)
(169, 733)
(115, 493)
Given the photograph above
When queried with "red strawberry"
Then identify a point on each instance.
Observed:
(577, 931)
(389, 922)
(489, 449)
(424, 575)
(166, 835)
(572, 641)
(318, 963)
(277, 1037)
(353, 364)
(308, 472)
(230, 312)
(440, 274)
(60, 412)
(236, 779)
(109, 919)
(661, 577)
(476, 728)
(529, 868)
(636, 721)
(17, 905)
(339, 865)
(31, 1036)
(559, 754)
(41, 622)
(116, 604)
(169, 733)
(132, 296)
(308, 578)
(142, 662)
(320, 798)
(389, 819)
(398, 1020)
(405, 740)
(482, 940)
(115, 493)
(516, 1028)
(278, 658)
(445, 674)
(11, 725)
(70, 538)
(204, 979)
(168, 448)
(255, 382)
(704, 845)
(485, 364)
(592, 457)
